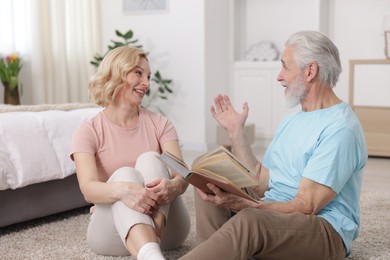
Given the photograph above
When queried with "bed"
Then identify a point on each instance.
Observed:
(37, 177)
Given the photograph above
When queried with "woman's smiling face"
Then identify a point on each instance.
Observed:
(138, 81)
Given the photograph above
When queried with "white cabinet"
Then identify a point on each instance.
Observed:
(369, 97)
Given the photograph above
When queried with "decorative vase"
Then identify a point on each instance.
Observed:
(11, 96)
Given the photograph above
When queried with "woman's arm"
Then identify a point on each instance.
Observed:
(97, 192)
(169, 189)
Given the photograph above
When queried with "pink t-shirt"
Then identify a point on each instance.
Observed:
(115, 147)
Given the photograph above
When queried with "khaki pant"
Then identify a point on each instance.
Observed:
(110, 224)
(262, 234)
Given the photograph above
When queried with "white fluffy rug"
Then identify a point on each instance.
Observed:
(63, 236)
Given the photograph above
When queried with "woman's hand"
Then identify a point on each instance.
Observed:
(168, 189)
(225, 199)
(227, 116)
(165, 189)
(139, 198)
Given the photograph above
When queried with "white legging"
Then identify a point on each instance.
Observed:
(110, 223)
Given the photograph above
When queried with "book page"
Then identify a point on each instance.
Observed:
(215, 155)
(213, 176)
(225, 166)
(219, 150)
(227, 157)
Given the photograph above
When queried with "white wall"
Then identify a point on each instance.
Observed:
(276, 20)
(217, 64)
(355, 27)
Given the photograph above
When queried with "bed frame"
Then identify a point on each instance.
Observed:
(39, 200)
(55, 195)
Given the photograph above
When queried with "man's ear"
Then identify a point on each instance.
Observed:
(311, 71)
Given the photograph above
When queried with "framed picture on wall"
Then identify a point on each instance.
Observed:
(387, 44)
(145, 6)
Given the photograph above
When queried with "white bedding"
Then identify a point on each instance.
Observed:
(35, 146)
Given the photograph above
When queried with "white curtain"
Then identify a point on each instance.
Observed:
(57, 39)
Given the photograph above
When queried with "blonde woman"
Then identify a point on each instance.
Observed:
(138, 208)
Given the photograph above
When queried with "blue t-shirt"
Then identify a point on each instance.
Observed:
(326, 146)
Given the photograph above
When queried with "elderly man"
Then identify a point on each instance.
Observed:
(311, 175)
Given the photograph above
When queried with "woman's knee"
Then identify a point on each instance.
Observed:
(126, 174)
(151, 166)
(148, 156)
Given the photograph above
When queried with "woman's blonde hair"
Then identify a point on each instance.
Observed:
(112, 73)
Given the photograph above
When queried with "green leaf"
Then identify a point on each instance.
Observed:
(118, 33)
(132, 42)
(157, 74)
(13, 82)
(94, 63)
(117, 44)
(128, 35)
(168, 89)
(98, 58)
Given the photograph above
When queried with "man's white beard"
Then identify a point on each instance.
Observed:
(296, 92)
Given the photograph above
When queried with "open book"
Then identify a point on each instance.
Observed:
(218, 166)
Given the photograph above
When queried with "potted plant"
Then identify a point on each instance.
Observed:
(10, 67)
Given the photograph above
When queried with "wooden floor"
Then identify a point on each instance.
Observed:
(376, 174)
